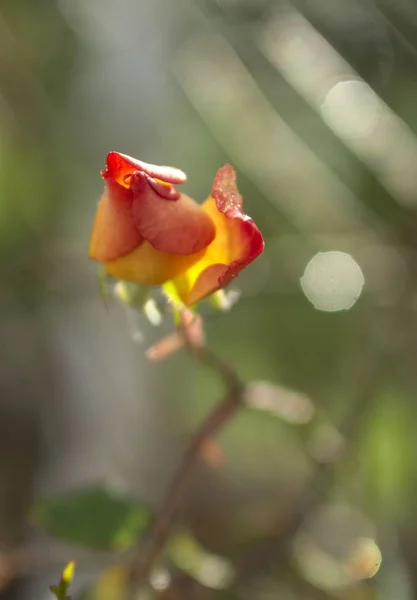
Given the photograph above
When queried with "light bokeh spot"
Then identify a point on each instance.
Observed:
(160, 579)
(332, 281)
(354, 107)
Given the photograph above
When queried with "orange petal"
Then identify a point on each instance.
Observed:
(167, 174)
(118, 166)
(118, 169)
(237, 243)
(176, 225)
(149, 266)
(114, 232)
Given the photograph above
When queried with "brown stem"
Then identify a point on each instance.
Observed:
(221, 414)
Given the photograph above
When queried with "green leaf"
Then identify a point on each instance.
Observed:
(60, 590)
(93, 517)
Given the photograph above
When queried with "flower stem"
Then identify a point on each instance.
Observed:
(219, 416)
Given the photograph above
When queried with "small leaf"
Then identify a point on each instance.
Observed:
(60, 590)
(93, 517)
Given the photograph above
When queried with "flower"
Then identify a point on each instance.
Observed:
(146, 231)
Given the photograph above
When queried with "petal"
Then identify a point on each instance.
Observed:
(168, 174)
(118, 169)
(120, 165)
(114, 233)
(237, 243)
(225, 192)
(149, 266)
(176, 225)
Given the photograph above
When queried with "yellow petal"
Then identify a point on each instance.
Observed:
(237, 243)
(149, 266)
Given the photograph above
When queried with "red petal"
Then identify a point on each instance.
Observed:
(176, 226)
(225, 191)
(122, 163)
(114, 232)
(237, 243)
(254, 247)
(217, 275)
(117, 168)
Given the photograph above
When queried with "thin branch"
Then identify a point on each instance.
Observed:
(222, 413)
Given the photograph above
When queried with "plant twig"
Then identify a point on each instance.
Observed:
(220, 415)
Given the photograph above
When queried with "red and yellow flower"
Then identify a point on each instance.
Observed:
(146, 231)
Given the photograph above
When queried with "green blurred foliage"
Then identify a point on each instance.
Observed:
(93, 517)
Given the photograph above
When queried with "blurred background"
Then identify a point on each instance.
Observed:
(314, 102)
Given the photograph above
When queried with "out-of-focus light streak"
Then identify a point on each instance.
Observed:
(347, 104)
(249, 128)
